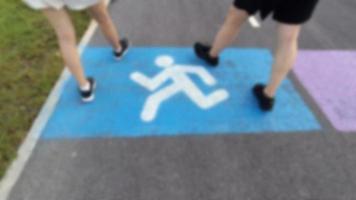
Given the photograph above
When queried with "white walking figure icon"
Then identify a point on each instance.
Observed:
(181, 83)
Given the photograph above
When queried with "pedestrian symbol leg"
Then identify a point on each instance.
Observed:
(153, 102)
(205, 101)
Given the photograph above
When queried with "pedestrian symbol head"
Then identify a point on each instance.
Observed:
(164, 61)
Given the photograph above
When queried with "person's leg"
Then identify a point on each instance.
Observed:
(285, 57)
(228, 32)
(100, 13)
(64, 29)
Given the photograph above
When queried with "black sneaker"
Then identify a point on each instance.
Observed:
(202, 51)
(265, 103)
(124, 47)
(88, 96)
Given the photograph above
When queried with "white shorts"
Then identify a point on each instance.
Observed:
(59, 4)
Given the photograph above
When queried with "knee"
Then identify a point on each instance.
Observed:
(289, 37)
(235, 18)
(102, 17)
(66, 37)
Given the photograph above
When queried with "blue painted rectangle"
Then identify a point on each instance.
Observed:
(119, 101)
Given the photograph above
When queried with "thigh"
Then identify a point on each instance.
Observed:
(60, 21)
(98, 10)
(288, 32)
(238, 13)
(236, 17)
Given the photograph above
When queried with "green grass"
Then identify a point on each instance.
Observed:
(30, 64)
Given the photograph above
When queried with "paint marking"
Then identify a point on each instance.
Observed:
(181, 82)
(25, 151)
(334, 89)
(121, 100)
(254, 22)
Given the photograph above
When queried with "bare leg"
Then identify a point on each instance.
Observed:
(285, 56)
(64, 29)
(100, 13)
(228, 32)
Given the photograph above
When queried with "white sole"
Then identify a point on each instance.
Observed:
(92, 97)
(89, 99)
(124, 53)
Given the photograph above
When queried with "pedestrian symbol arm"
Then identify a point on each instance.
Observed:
(150, 84)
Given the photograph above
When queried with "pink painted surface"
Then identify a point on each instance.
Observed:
(330, 78)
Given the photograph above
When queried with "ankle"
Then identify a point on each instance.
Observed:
(118, 49)
(270, 93)
(85, 86)
(213, 54)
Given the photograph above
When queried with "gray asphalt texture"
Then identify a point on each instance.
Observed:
(301, 166)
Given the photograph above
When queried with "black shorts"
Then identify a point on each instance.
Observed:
(284, 11)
